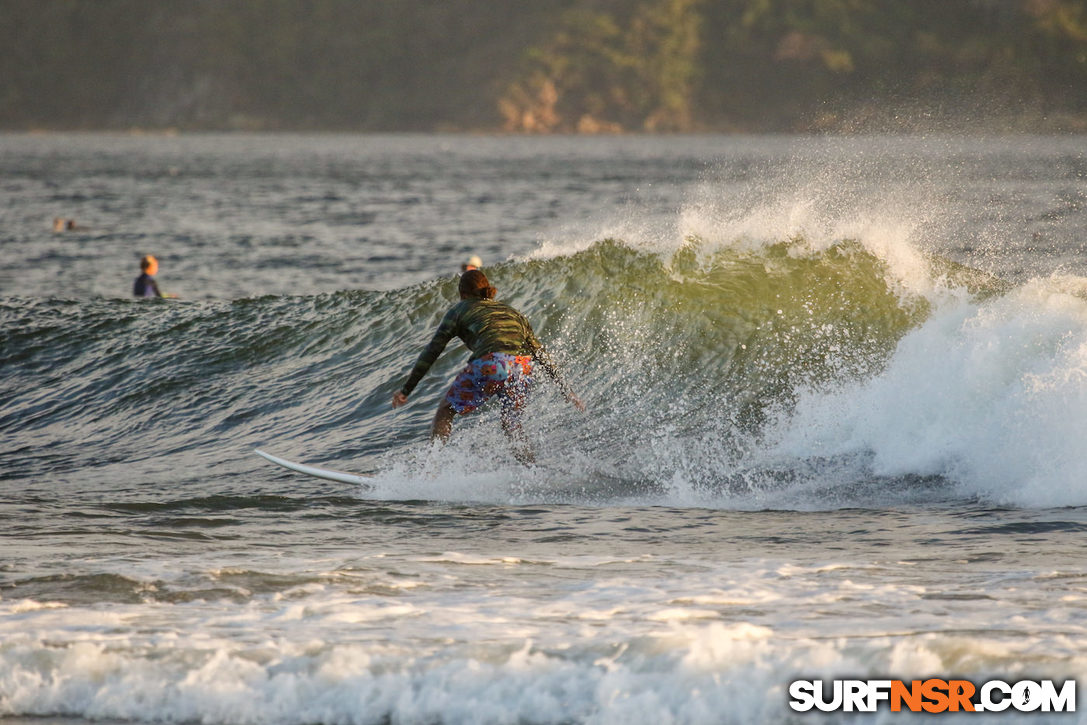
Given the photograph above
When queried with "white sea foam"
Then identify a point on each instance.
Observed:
(992, 395)
(484, 639)
(20, 606)
(683, 673)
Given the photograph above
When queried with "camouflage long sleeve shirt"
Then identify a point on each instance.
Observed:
(485, 326)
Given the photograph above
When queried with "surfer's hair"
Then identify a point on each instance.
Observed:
(473, 283)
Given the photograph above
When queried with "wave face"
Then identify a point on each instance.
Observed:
(779, 373)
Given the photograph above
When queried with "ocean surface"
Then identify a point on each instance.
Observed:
(836, 427)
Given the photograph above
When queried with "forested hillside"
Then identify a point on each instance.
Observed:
(544, 65)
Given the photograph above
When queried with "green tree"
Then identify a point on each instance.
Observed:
(610, 71)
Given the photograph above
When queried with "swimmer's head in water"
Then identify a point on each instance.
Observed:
(474, 283)
(150, 265)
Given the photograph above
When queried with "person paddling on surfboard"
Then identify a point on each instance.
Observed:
(505, 352)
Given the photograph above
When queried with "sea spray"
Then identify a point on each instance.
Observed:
(989, 395)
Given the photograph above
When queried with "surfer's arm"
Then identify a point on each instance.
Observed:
(543, 359)
(445, 332)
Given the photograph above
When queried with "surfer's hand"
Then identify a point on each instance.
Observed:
(399, 399)
(577, 403)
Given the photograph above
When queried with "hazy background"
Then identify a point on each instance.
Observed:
(544, 66)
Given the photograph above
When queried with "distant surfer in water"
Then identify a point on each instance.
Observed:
(504, 354)
(145, 285)
(60, 224)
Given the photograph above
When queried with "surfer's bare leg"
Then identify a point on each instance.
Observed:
(522, 447)
(443, 422)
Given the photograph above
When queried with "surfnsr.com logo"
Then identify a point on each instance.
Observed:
(932, 696)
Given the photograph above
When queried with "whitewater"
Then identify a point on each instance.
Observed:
(836, 391)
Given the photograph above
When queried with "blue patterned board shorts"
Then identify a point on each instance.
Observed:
(497, 373)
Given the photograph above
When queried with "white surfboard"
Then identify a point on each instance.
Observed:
(325, 473)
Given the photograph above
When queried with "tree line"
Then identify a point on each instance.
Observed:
(544, 66)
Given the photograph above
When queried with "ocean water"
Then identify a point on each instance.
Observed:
(837, 405)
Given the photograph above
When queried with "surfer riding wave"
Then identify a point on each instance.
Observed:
(505, 352)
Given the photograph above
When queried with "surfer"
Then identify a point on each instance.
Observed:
(473, 262)
(145, 285)
(504, 354)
